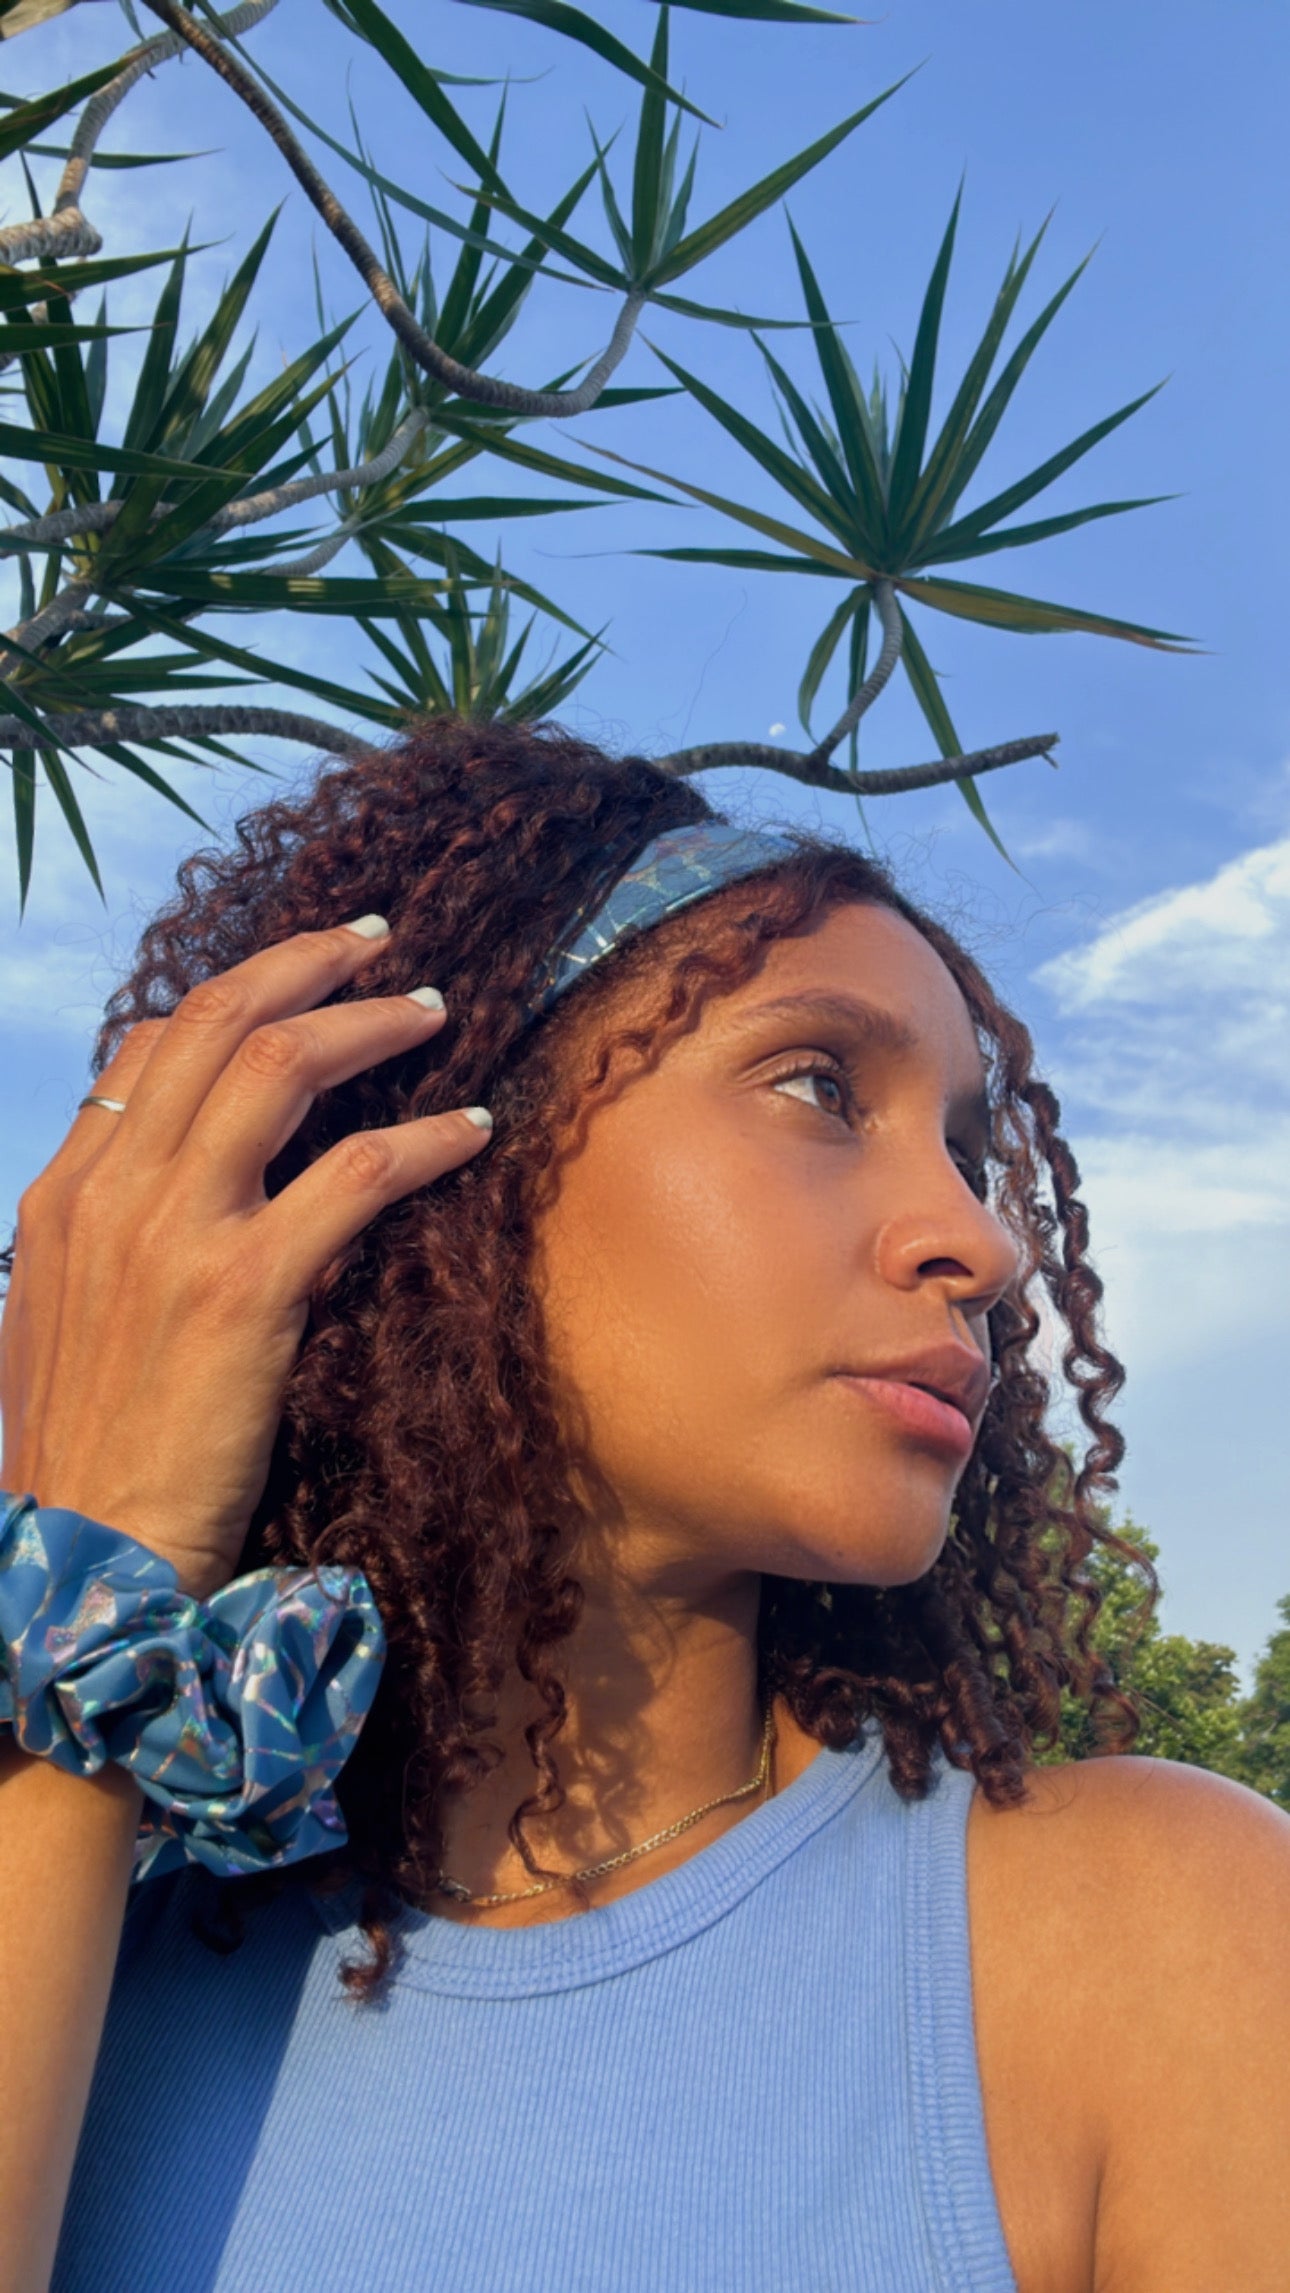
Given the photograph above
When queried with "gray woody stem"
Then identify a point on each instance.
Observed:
(63, 612)
(813, 766)
(884, 597)
(99, 517)
(67, 608)
(815, 774)
(66, 611)
(482, 389)
(303, 568)
(65, 231)
(94, 726)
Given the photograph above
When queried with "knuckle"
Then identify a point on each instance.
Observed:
(276, 1052)
(329, 947)
(218, 1002)
(35, 1205)
(366, 1160)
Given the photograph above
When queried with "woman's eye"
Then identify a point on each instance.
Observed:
(830, 1092)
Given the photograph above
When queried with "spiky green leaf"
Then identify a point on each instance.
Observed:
(24, 818)
(18, 288)
(931, 700)
(916, 406)
(1013, 497)
(945, 552)
(740, 212)
(27, 120)
(22, 341)
(821, 654)
(59, 779)
(833, 560)
(647, 173)
(847, 402)
(769, 11)
(60, 451)
(937, 479)
(571, 23)
(424, 86)
(1032, 616)
(805, 490)
(981, 434)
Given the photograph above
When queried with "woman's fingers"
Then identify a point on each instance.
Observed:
(275, 1074)
(93, 1126)
(303, 1228)
(159, 1300)
(215, 1017)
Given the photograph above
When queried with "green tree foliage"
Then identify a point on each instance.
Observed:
(1187, 1692)
(1265, 1718)
(137, 540)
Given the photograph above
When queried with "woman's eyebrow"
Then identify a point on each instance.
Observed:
(876, 1029)
(867, 1022)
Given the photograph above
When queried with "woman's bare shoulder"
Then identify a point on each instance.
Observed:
(1137, 1912)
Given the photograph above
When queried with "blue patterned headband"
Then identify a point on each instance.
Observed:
(683, 865)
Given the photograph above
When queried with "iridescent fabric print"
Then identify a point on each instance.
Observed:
(235, 1714)
(682, 865)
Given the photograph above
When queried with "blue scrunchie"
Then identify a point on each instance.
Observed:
(235, 1715)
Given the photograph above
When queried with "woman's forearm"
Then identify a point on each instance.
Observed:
(66, 1845)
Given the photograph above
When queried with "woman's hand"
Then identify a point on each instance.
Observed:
(159, 1298)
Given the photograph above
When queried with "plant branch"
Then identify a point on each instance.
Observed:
(76, 622)
(99, 517)
(482, 389)
(92, 727)
(817, 773)
(62, 612)
(884, 597)
(65, 230)
(813, 766)
(303, 568)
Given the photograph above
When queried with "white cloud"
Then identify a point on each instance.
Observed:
(1174, 1060)
(1228, 936)
(1061, 838)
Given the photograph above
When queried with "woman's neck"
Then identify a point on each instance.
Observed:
(663, 1716)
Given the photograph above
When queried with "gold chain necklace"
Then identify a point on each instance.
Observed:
(458, 1893)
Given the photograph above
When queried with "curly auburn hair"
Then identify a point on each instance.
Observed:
(419, 1438)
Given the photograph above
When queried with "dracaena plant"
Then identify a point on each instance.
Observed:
(192, 532)
(204, 502)
(884, 498)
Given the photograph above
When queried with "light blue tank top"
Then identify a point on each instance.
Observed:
(757, 2074)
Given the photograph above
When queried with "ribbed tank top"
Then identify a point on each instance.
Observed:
(757, 2074)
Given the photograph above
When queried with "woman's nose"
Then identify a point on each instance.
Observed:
(954, 1238)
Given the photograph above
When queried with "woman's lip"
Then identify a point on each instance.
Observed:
(925, 1415)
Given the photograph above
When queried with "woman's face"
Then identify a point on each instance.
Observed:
(768, 1268)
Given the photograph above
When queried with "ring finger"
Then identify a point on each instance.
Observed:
(94, 1125)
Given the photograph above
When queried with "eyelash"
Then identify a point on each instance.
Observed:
(819, 1065)
(974, 1173)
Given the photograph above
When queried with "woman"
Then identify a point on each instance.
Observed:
(647, 1337)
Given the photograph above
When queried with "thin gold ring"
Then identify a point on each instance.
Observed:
(114, 1106)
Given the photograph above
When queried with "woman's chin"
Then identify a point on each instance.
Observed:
(880, 1553)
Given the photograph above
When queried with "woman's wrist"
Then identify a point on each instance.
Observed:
(199, 1570)
(234, 1714)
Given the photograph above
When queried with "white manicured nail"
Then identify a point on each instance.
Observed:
(368, 927)
(479, 1116)
(429, 998)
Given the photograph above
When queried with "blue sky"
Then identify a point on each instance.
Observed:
(1145, 930)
